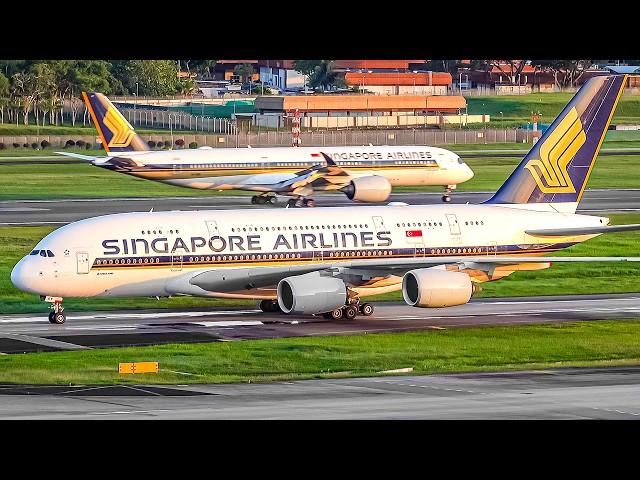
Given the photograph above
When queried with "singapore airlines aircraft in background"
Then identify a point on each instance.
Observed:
(364, 174)
(326, 262)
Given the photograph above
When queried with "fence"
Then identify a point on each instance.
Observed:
(308, 139)
(178, 121)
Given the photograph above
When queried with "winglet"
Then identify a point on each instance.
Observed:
(328, 159)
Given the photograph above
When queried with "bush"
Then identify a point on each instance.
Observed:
(69, 143)
(180, 142)
(25, 145)
(193, 145)
(1, 146)
(167, 143)
(151, 144)
(16, 145)
(34, 145)
(80, 143)
(87, 146)
(44, 144)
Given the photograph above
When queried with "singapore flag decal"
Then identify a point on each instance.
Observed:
(414, 236)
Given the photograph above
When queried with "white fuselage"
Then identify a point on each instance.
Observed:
(156, 254)
(256, 169)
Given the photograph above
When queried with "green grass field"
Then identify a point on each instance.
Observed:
(518, 108)
(48, 181)
(575, 278)
(603, 343)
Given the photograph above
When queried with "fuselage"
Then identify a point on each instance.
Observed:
(257, 169)
(156, 253)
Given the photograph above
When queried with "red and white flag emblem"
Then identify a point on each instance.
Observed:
(413, 233)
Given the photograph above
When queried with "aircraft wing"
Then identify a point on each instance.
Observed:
(318, 177)
(553, 232)
(234, 279)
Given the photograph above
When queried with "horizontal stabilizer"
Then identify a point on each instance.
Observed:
(89, 158)
(557, 232)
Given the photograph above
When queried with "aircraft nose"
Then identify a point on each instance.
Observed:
(18, 277)
(468, 173)
(22, 276)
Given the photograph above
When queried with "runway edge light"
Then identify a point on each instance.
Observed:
(138, 367)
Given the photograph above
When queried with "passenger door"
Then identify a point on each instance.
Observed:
(82, 261)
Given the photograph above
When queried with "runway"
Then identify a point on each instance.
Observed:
(60, 212)
(606, 393)
(84, 330)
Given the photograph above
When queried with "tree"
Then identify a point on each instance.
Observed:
(565, 72)
(245, 71)
(154, 77)
(4, 95)
(324, 76)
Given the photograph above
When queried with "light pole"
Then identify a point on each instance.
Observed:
(135, 105)
(414, 81)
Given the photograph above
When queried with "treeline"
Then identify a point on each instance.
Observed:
(39, 90)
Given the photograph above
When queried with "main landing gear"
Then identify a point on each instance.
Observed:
(270, 306)
(56, 315)
(447, 193)
(301, 202)
(350, 311)
(262, 199)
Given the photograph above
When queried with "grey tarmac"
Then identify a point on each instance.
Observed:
(60, 212)
(571, 393)
(33, 332)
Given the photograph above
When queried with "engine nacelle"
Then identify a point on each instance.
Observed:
(427, 287)
(311, 293)
(372, 188)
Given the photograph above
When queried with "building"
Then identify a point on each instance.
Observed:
(225, 70)
(281, 75)
(400, 83)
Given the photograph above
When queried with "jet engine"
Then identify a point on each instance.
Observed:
(310, 294)
(427, 287)
(372, 188)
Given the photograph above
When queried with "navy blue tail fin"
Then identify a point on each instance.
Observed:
(116, 133)
(557, 168)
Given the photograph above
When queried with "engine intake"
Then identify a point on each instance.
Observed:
(433, 288)
(372, 188)
(310, 294)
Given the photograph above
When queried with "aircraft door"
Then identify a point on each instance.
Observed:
(378, 224)
(176, 262)
(82, 260)
(212, 228)
(454, 227)
(492, 248)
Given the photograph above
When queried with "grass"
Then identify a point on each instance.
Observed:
(576, 278)
(518, 108)
(592, 343)
(48, 181)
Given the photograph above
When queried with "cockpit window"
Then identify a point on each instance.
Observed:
(50, 253)
(43, 253)
(35, 252)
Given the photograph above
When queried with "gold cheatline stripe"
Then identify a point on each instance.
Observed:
(283, 262)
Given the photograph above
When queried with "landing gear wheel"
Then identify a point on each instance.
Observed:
(350, 312)
(446, 198)
(272, 200)
(254, 200)
(334, 314)
(366, 309)
(291, 203)
(57, 318)
(308, 202)
(265, 305)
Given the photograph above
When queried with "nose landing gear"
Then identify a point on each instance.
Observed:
(56, 315)
(301, 202)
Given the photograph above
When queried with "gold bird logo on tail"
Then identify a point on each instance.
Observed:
(120, 128)
(550, 171)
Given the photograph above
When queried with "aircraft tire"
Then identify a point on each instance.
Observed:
(350, 312)
(57, 318)
(366, 309)
(446, 198)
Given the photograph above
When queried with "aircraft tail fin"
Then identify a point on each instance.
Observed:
(557, 168)
(116, 133)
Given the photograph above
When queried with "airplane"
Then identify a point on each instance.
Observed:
(328, 262)
(363, 174)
